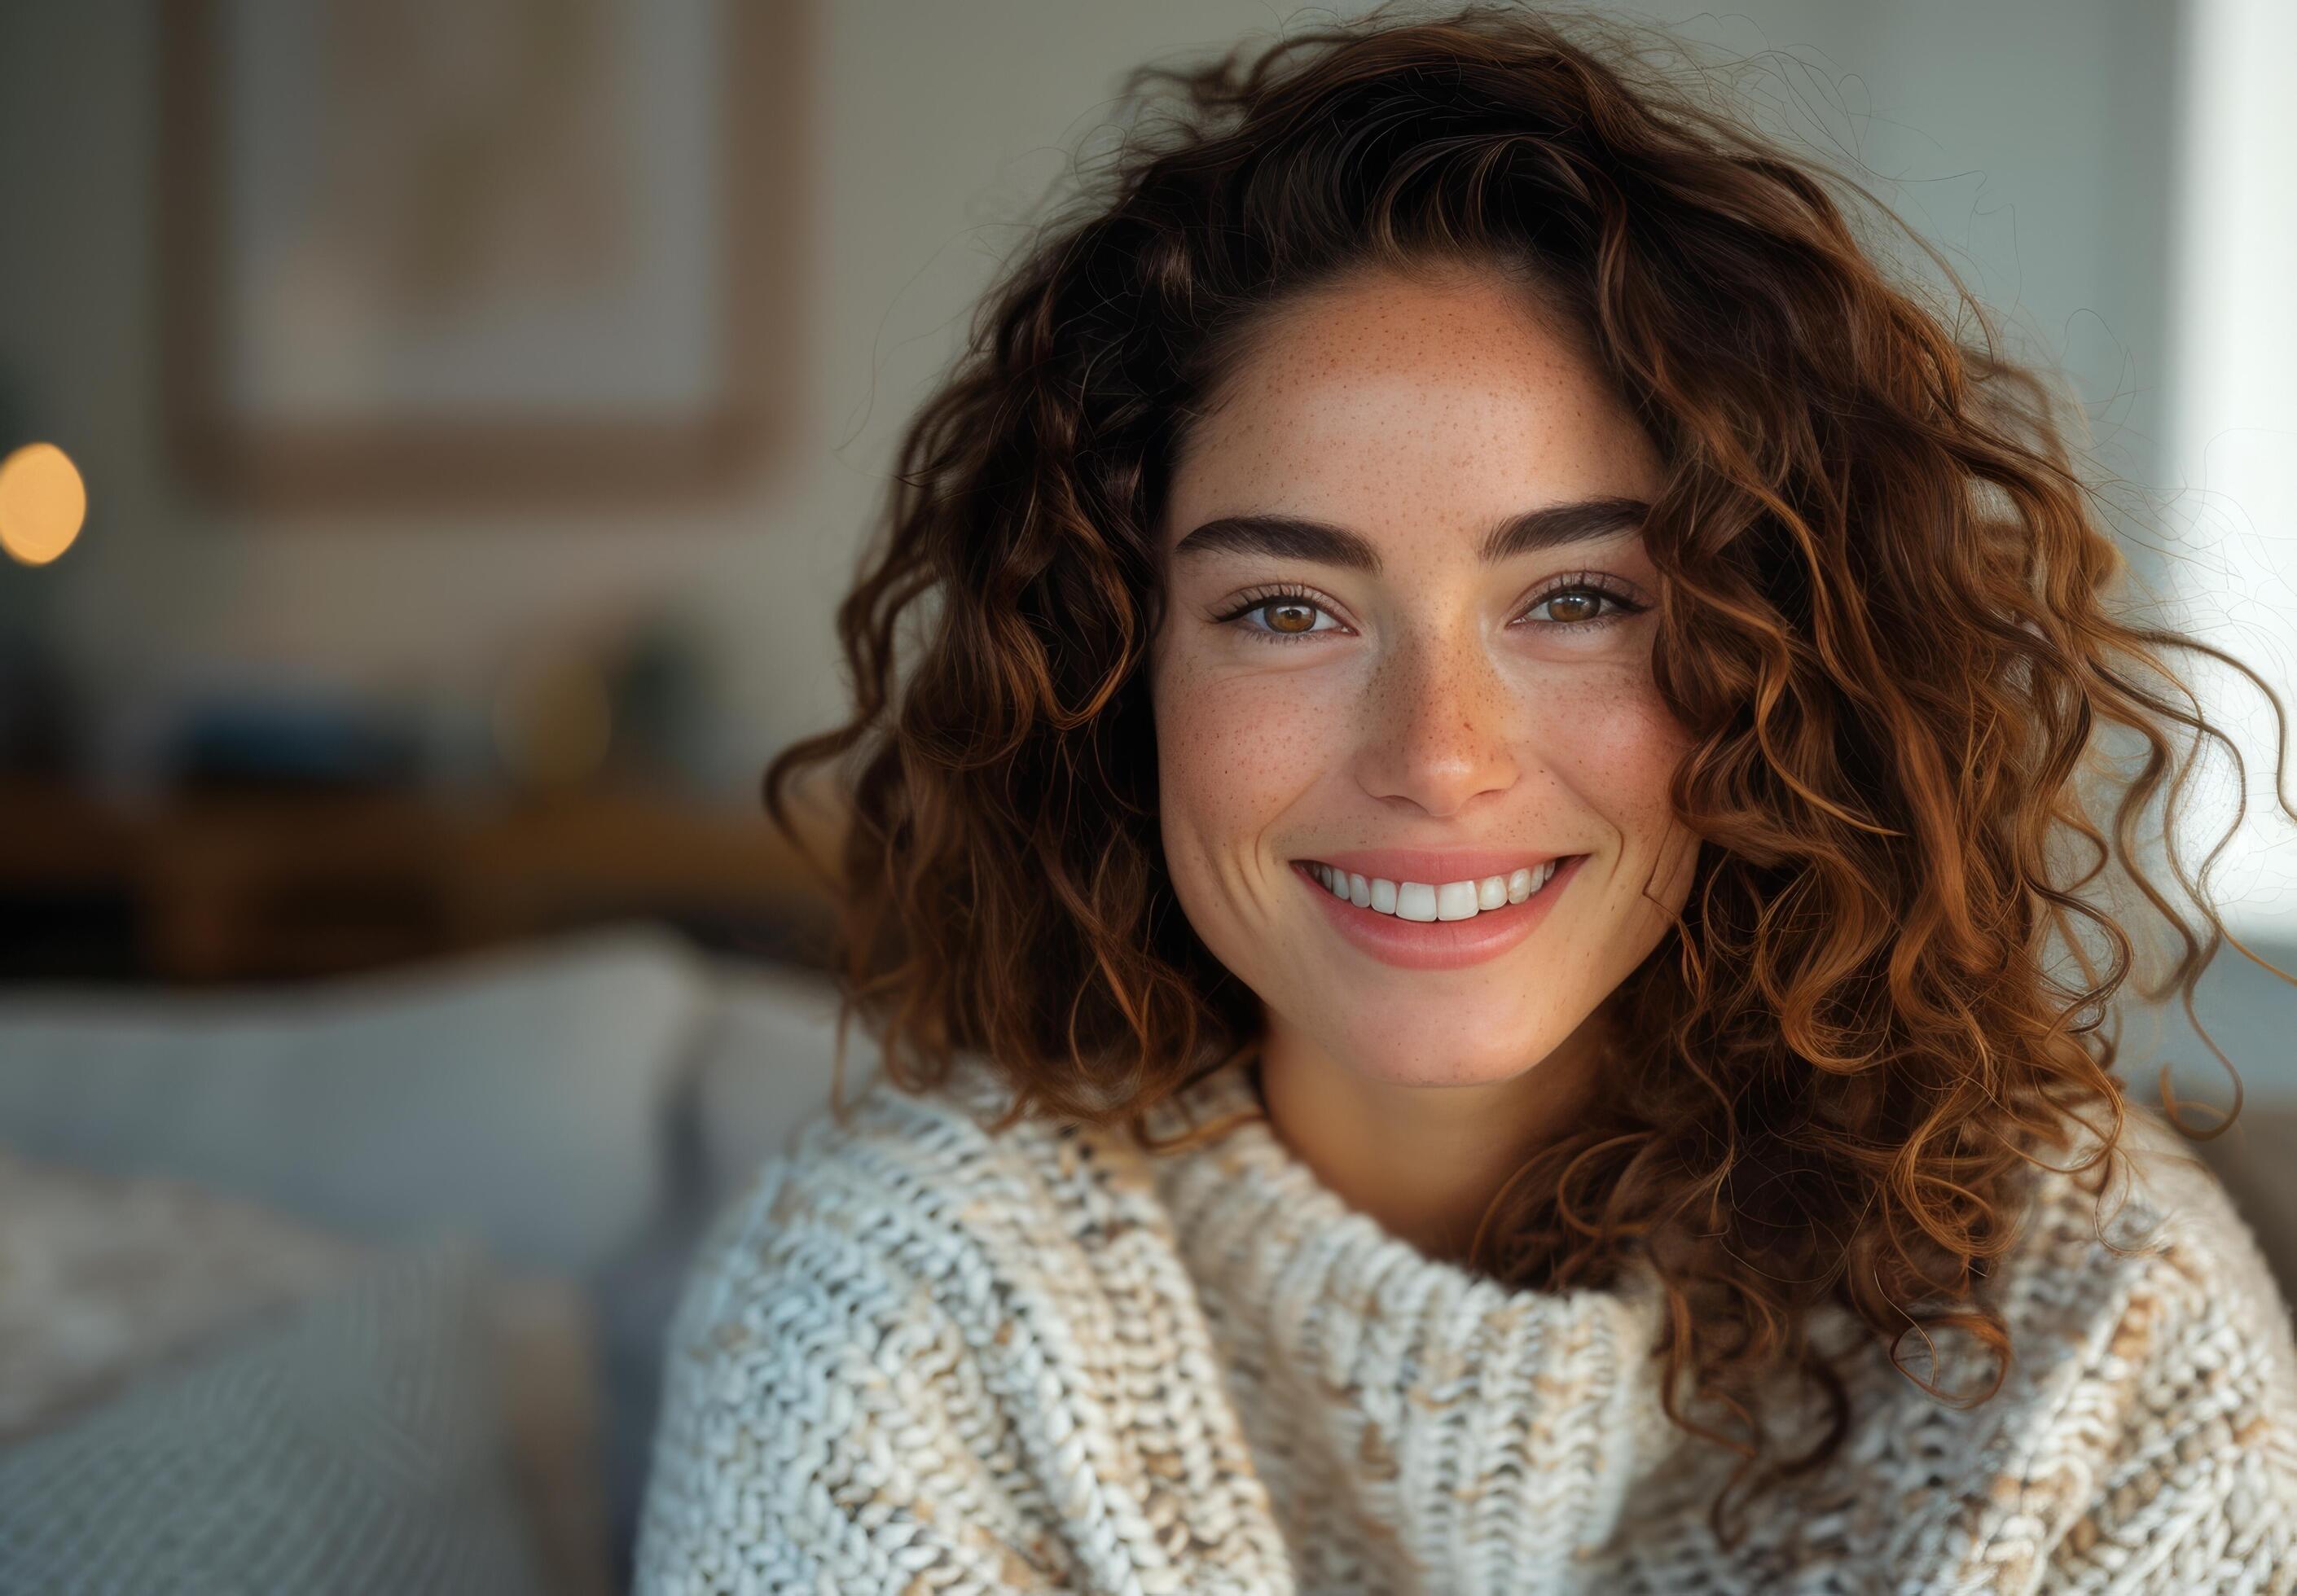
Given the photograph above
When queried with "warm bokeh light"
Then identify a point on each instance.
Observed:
(42, 503)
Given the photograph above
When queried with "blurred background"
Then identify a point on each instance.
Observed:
(434, 436)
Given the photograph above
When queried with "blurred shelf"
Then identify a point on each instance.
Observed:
(264, 886)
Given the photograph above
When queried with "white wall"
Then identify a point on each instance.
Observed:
(2232, 404)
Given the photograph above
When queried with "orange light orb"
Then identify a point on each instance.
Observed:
(43, 502)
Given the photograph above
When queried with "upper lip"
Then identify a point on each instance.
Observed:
(1434, 867)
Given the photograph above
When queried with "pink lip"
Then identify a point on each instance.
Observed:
(1438, 944)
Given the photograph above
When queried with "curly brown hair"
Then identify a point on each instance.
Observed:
(1923, 736)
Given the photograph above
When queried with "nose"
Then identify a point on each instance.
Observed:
(1436, 728)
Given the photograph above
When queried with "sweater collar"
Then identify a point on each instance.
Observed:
(1402, 1402)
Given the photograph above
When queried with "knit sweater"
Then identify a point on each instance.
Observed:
(917, 1358)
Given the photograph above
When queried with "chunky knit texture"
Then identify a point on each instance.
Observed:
(915, 1358)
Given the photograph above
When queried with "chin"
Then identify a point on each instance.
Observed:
(1446, 1044)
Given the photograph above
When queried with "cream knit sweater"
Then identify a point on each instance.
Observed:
(914, 1358)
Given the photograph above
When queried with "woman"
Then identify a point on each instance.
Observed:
(1482, 901)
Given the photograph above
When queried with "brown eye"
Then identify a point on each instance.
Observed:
(1288, 615)
(1281, 617)
(1582, 606)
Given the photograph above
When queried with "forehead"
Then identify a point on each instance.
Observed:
(1389, 404)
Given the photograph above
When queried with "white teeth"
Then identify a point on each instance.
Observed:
(1457, 900)
(1442, 900)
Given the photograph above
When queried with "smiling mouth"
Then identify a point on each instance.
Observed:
(1427, 901)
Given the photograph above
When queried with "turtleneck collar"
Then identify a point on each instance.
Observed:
(1457, 1434)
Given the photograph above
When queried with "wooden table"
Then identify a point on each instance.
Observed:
(259, 885)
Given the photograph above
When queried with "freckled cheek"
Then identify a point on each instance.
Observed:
(1615, 744)
(1233, 755)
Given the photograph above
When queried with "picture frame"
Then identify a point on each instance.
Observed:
(480, 252)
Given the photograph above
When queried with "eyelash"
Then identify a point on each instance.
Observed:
(1586, 581)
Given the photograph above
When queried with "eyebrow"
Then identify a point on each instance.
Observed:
(1293, 537)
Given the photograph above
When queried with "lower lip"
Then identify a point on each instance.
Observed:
(1440, 944)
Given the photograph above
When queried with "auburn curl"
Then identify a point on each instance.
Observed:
(1926, 741)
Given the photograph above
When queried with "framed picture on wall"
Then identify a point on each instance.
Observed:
(523, 252)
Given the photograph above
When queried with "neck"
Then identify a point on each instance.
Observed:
(1425, 1161)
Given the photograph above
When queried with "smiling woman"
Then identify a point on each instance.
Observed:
(1492, 892)
(1471, 681)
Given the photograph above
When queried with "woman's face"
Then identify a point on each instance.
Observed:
(1408, 634)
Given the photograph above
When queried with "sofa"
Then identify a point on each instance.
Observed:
(369, 1277)
(553, 1121)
